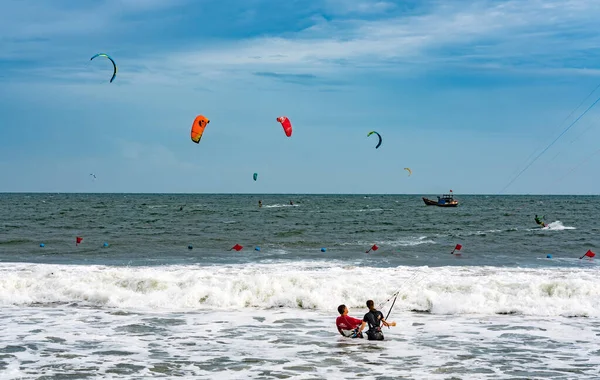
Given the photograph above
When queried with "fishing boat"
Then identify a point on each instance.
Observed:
(446, 200)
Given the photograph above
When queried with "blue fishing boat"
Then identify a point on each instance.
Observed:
(446, 200)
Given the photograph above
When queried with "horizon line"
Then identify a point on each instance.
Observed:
(240, 193)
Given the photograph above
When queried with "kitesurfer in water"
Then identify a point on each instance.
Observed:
(291, 203)
(259, 203)
(346, 325)
(539, 221)
(374, 318)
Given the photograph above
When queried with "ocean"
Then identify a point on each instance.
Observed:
(517, 303)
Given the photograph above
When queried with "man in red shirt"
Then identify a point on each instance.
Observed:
(346, 325)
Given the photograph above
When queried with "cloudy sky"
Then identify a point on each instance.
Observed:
(465, 93)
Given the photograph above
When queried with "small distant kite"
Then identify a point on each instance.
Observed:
(198, 128)
(286, 124)
(93, 175)
(113, 62)
(409, 171)
(378, 135)
(255, 176)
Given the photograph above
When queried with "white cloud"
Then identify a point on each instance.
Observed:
(484, 34)
(507, 35)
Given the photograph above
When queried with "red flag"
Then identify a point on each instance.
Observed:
(589, 253)
(237, 247)
(373, 248)
(457, 248)
(78, 240)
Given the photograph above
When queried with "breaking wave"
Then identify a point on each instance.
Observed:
(309, 285)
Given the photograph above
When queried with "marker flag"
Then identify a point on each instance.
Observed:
(457, 248)
(589, 253)
(373, 248)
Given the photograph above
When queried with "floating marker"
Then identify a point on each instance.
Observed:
(323, 249)
(42, 245)
(190, 247)
(589, 253)
(105, 244)
(373, 248)
(78, 240)
(457, 248)
(237, 247)
(257, 248)
(548, 256)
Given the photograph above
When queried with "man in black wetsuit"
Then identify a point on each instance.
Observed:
(374, 318)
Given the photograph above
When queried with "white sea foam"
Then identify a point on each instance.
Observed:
(67, 341)
(557, 226)
(554, 226)
(308, 285)
(414, 241)
(406, 242)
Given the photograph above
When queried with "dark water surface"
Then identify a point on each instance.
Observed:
(152, 230)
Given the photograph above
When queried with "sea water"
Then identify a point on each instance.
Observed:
(147, 306)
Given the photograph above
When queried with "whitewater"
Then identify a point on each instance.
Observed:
(277, 321)
(307, 285)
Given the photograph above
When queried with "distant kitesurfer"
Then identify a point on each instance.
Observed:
(346, 325)
(259, 203)
(540, 221)
(181, 208)
(291, 203)
(374, 318)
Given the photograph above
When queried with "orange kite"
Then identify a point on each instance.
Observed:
(198, 128)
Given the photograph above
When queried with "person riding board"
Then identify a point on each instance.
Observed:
(540, 221)
(346, 325)
(374, 318)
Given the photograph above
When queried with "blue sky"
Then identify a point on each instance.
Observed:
(463, 92)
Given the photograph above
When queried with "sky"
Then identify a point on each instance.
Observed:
(465, 93)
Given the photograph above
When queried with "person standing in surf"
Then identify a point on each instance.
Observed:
(374, 318)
